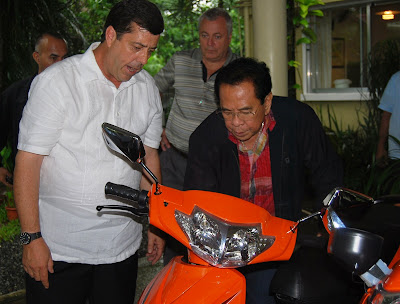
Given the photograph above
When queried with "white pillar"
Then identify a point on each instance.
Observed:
(270, 42)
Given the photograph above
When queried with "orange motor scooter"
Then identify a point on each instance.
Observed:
(221, 233)
(386, 289)
(359, 251)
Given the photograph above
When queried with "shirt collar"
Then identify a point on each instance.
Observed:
(91, 71)
(198, 56)
(269, 123)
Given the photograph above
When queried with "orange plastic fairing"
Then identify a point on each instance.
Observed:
(225, 207)
(392, 282)
(179, 282)
(396, 259)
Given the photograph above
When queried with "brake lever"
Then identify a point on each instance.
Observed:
(136, 211)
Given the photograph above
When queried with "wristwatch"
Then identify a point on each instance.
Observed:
(25, 238)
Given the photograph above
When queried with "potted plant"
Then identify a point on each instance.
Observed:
(8, 164)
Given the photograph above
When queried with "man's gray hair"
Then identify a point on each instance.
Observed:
(212, 15)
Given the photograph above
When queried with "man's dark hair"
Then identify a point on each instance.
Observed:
(213, 13)
(245, 69)
(144, 13)
(47, 33)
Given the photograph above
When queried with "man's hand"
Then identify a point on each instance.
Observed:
(164, 141)
(37, 261)
(155, 246)
(3, 173)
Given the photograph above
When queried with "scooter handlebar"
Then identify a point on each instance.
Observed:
(122, 191)
(130, 194)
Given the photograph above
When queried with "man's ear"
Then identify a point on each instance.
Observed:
(111, 35)
(268, 103)
(36, 57)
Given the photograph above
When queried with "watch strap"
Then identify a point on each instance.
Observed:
(35, 235)
(26, 237)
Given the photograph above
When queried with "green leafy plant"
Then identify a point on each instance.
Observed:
(7, 163)
(3, 215)
(356, 147)
(9, 230)
(302, 12)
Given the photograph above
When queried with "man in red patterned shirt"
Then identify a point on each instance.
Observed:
(259, 147)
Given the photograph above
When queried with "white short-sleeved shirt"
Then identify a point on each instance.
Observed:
(390, 102)
(62, 120)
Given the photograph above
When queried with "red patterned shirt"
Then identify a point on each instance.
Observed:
(255, 169)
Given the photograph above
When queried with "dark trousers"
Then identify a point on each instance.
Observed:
(173, 167)
(258, 281)
(82, 283)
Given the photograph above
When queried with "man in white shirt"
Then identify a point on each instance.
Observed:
(390, 122)
(71, 252)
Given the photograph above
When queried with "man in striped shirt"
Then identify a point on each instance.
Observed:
(192, 74)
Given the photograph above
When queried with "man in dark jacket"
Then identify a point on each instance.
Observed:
(50, 47)
(259, 148)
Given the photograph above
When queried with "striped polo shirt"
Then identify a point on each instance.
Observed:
(194, 97)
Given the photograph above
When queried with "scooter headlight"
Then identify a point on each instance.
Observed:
(384, 297)
(221, 243)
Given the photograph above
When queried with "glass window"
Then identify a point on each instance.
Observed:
(335, 67)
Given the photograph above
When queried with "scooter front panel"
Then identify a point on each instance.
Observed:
(180, 282)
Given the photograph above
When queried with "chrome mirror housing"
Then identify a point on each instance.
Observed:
(126, 143)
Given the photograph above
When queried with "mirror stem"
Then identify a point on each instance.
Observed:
(152, 176)
(293, 229)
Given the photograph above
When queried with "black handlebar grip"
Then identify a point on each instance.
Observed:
(122, 191)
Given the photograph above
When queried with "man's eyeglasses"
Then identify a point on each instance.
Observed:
(244, 115)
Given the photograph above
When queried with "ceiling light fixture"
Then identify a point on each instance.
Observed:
(388, 15)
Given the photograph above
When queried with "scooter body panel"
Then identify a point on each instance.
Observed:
(162, 215)
(180, 282)
(392, 282)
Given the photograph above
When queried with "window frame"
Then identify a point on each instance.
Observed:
(349, 94)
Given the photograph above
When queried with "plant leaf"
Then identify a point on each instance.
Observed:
(317, 13)
(303, 40)
(294, 63)
(304, 23)
(308, 32)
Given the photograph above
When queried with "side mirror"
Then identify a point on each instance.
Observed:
(340, 198)
(343, 206)
(123, 142)
(126, 143)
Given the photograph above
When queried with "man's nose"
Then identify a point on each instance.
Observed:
(236, 121)
(143, 57)
(210, 41)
